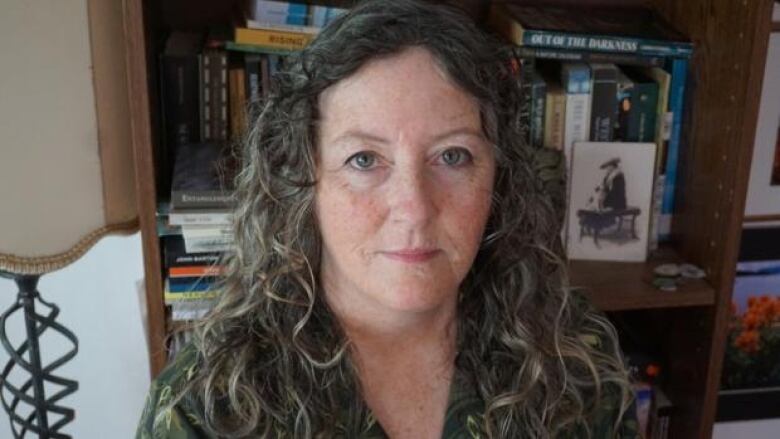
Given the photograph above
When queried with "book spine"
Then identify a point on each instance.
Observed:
(200, 244)
(186, 287)
(655, 213)
(193, 281)
(604, 102)
(192, 259)
(205, 97)
(643, 112)
(202, 218)
(576, 82)
(195, 271)
(219, 95)
(273, 39)
(591, 57)
(625, 105)
(237, 102)
(679, 72)
(200, 199)
(555, 113)
(604, 43)
(538, 101)
(252, 78)
(181, 117)
(279, 12)
(175, 296)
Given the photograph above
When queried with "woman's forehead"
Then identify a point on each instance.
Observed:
(408, 88)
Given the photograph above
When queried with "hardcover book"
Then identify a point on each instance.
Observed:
(202, 178)
(603, 107)
(609, 202)
(596, 29)
(179, 82)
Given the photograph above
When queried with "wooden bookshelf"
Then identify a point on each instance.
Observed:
(624, 286)
(690, 324)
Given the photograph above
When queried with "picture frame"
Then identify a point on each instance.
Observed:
(609, 205)
(762, 203)
(750, 386)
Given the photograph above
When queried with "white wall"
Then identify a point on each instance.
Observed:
(758, 429)
(98, 302)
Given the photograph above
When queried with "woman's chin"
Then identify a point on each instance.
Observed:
(417, 298)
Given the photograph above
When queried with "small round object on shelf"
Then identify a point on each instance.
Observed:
(691, 271)
(667, 270)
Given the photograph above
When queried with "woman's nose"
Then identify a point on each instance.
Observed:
(412, 197)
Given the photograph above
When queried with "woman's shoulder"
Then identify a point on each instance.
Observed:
(161, 418)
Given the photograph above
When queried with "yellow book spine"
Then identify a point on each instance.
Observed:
(191, 295)
(274, 39)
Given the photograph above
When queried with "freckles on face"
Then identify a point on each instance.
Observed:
(405, 177)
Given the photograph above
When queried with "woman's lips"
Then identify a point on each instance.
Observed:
(411, 255)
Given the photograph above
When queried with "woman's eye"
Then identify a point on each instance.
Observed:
(455, 156)
(362, 160)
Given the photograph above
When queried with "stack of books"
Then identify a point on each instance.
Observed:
(212, 85)
(192, 281)
(606, 87)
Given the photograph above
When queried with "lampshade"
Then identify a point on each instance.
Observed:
(66, 164)
(66, 179)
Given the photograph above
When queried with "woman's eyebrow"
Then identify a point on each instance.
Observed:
(359, 135)
(460, 131)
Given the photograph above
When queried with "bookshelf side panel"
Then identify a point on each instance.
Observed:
(141, 131)
(731, 38)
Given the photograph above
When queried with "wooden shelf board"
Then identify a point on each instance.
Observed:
(621, 286)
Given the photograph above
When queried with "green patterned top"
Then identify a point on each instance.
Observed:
(462, 420)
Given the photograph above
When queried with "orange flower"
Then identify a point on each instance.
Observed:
(750, 320)
(748, 341)
(751, 301)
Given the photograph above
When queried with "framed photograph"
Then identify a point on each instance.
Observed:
(610, 201)
(763, 198)
(750, 381)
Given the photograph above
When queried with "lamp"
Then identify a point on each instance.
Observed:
(66, 178)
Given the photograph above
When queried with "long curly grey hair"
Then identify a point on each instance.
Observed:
(271, 355)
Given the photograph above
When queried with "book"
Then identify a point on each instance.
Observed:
(214, 217)
(575, 79)
(555, 113)
(609, 202)
(576, 82)
(214, 94)
(273, 39)
(179, 83)
(252, 24)
(625, 97)
(637, 31)
(603, 108)
(238, 102)
(196, 271)
(279, 12)
(564, 55)
(538, 94)
(253, 80)
(321, 16)
(663, 123)
(191, 309)
(185, 285)
(175, 255)
(202, 179)
(644, 109)
(660, 415)
(678, 68)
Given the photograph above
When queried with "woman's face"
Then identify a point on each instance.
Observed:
(405, 178)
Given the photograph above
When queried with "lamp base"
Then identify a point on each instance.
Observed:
(42, 416)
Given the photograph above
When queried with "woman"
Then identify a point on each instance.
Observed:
(397, 270)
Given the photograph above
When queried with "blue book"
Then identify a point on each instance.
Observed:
(178, 286)
(678, 67)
